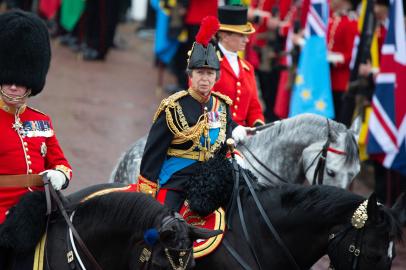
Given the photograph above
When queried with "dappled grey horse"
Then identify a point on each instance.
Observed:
(289, 150)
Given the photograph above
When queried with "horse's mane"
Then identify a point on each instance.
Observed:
(307, 128)
(121, 210)
(332, 203)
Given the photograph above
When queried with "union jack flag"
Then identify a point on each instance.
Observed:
(387, 127)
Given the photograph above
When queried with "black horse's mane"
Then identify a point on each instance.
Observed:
(122, 211)
(332, 203)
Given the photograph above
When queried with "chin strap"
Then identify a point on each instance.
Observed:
(14, 99)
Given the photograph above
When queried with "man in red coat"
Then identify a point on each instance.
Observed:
(28, 145)
(237, 78)
(342, 30)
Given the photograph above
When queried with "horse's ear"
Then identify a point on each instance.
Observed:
(400, 208)
(373, 209)
(356, 127)
(202, 233)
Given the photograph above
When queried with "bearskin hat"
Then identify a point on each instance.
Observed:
(25, 51)
(203, 53)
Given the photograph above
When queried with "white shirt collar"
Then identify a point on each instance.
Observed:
(232, 58)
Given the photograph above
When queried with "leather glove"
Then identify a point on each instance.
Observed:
(240, 134)
(57, 178)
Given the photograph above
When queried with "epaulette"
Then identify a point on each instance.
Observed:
(352, 16)
(36, 110)
(169, 101)
(245, 65)
(225, 98)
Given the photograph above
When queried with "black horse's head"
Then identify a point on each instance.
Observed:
(368, 242)
(171, 245)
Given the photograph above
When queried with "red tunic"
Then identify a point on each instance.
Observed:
(199, 9)
(246, 109)
(342, 31)
(31, 151)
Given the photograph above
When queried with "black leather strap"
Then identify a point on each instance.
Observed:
(236, 256)
(269, 223)
(246, 150)
(94, 264)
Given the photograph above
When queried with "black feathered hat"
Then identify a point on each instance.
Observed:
(25, 51)
(203, 54)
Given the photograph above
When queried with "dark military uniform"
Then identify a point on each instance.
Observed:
(185, 132)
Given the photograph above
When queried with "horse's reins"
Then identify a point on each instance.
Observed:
(271, 228)
(321, 164)
(51, 193)
(256, 129)
(319, 171)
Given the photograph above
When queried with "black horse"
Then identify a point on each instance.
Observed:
(122, 230)
(293, 226)
(311, 222)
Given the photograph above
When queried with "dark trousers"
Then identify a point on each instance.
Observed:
(389, 184)
(101, 20)
(268, 83)
(5, 258)
(179, 61)
(172, 199)
(338, 101)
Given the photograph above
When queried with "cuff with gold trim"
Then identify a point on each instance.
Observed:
(67, 172)
(147, 186)
(258, 122)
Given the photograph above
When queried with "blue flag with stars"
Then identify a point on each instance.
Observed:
(312, 89)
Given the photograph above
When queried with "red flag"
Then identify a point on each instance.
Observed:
(49, 7)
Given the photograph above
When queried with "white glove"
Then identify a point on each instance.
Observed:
(335, 58)
(239, 134)
(240, 161)
(57, 178)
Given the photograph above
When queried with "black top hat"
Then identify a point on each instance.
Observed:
(234, 19)
(203, 54)
(25, 51)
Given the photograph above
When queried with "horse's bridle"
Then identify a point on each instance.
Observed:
(358, 223)
(51, 194)
(321, 164)
(183, 256)
(354, 249)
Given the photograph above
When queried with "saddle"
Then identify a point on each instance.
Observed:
(213, 221)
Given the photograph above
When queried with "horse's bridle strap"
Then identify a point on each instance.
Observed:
(236, 256)
(268, 222)
(95, 265)
(245, 148)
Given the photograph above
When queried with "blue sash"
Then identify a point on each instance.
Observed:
(173, 164)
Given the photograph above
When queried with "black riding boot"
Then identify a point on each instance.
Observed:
(174, 199)
(5, 258)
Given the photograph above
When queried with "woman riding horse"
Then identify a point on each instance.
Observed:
(28, 143)
(189, 127)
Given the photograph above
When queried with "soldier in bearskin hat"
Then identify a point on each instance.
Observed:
(29, 147)
(189, 127)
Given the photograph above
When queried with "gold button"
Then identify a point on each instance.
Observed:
(28, 157)
(238, 99)
(29, 162)
(238, 84)
(238, 91)
(25, 143)
(29, 171)
(235, 107)
(234, 114)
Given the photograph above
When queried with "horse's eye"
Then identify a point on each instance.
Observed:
(331, 173)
